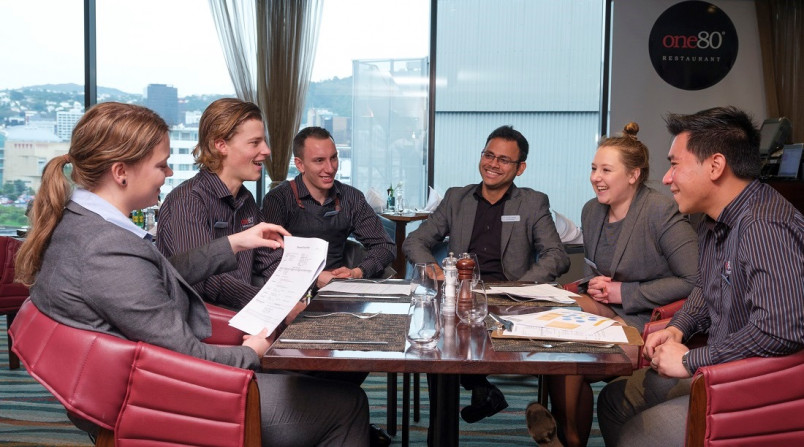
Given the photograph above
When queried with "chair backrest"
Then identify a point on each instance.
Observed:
(144, 393)
(748, 402)
(12, 294)
(86, 371)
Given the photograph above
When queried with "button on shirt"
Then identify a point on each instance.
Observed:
(280, 207)
(202, 209)
(487, 234)
(750, 292)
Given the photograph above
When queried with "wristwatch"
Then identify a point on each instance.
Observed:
(686, 365)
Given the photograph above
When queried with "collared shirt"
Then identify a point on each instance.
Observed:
(202, 209)
(106, 210)
(487, 234)
(750, 291)
(279, 207)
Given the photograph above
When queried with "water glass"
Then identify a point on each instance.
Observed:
(472, 303)
(423, 281)
(425, 325)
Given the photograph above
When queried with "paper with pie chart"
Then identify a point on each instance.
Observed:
(564, 320)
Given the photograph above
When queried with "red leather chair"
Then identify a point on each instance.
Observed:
(748, 402)
(12, 294)
(667, 311)
(139, 394)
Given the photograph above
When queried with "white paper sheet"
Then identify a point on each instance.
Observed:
(544, 292)
(565, 320)
(366, 288)
(612, 334)
(302, 261)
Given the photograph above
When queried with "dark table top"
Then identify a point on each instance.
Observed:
(462, 349)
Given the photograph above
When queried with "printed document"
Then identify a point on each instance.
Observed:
(359, 287)
(542, 292)
(302, 261)
(565, 324)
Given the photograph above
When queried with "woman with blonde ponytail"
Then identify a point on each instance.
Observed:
(644, 253)
(90, 267)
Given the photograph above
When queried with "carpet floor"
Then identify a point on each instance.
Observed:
(31, 416)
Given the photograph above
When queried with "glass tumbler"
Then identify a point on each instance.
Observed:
(472, 304)
(425, 325)
(423, 281)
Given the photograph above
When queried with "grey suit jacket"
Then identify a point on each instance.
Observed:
(100, 277)
(533, 233)
(656, 255)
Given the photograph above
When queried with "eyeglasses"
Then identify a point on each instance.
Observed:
(505, 161)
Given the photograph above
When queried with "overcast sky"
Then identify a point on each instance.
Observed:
(174, 42)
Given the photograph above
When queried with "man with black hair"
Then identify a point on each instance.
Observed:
(510, 229)
(749, 297)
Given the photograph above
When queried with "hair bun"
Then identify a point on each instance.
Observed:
(631, 129)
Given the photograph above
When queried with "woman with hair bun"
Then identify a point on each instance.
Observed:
(91, 268)
(643, 253)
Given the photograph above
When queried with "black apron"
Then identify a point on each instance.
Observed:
(323, 222)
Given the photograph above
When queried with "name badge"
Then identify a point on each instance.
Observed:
(330, 213)
(514, 218)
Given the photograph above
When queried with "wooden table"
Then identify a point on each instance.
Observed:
(461, 350)
(401, 222)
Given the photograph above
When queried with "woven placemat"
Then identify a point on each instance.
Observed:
(390, 328)
(364, 299)
(503, 300)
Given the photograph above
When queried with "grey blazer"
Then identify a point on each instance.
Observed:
(655, 257)
(533, 233)
(100, 277)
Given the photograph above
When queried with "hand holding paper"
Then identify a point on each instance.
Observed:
(302, 261)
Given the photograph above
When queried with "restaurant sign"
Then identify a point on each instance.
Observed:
(693, 45)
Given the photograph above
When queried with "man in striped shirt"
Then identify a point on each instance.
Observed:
(749, 298)
(214, 203)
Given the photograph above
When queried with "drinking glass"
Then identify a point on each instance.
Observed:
(425, 325)
(472, 303)
(423, 281)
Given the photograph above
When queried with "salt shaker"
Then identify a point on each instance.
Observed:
(450, 284)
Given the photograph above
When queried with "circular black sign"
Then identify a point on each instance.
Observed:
(693, 45)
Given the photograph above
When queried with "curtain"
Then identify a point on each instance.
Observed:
(781, 37)
(269, 48)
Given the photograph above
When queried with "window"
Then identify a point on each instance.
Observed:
(165, 56)
(534, 65)
(41, 96)
(369, 89)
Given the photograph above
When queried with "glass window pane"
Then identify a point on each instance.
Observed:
(41, 96)
(165, 56)
(369, 88)
(532, 64)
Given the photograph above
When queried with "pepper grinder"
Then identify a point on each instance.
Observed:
(450, 283)
(466, 267)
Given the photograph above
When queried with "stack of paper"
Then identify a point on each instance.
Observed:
(543, 292)
(565, 324)
(362, 288)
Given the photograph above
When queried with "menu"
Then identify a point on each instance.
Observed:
(568, 325)
(302, 261)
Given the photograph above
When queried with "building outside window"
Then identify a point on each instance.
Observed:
(534, 64)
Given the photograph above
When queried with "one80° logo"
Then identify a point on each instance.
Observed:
(702, 41)
(693, 45)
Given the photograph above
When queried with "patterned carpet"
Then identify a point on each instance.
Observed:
(30, 416)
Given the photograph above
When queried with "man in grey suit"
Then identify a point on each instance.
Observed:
(510, 229)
